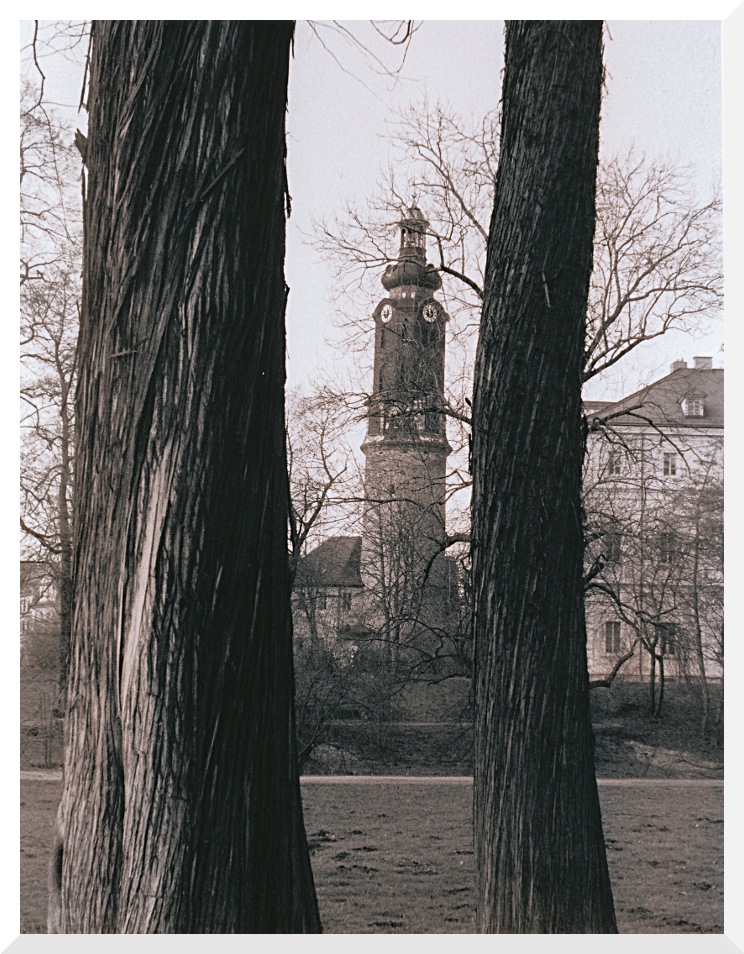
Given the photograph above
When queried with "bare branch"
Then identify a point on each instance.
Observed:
(608, 680)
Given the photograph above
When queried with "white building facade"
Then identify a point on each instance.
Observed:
(653, 497)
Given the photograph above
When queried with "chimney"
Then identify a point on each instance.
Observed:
(703, 364)
(678, 365)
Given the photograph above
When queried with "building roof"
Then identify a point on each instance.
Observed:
(593, 407)
(335, 562)
(662, 403)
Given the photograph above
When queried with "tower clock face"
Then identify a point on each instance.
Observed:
(430, 313)
(387, 313)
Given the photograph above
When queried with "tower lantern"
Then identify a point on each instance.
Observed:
(413, 235)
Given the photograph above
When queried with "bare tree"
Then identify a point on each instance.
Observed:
(539, 847)
(657, 254)
(324, 483)
(450, 170)
(656, 553)
(414, 610)
(180, 762)
(51, 247)
(702, 511)
(409, 622)
(40, 709)
(49, 324)
(657, 262)
(50, 207)
(643, 578)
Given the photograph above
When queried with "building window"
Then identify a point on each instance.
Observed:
(613, 464)
(346, 602)
(432, 422)
(612, 637)
(417, 409)
(321, 600)
(670, 464)
(612, 548)
(392, 418)
(667, 548)
(693, 406)
(667, 639)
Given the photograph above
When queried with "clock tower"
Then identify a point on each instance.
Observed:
(406, 445)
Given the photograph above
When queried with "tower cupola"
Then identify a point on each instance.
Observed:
(411, 267)
(413, 228)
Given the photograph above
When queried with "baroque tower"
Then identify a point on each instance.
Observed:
(406, 445)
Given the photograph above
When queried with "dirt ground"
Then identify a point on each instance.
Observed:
(395, 857)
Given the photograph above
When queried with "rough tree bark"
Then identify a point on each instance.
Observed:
(64, 574)
(539, 847)
(181, 809)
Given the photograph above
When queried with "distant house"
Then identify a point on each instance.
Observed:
(326, 591)
(653, 492)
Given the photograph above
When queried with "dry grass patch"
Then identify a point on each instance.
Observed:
(665, 852)
(391, 858)
(39, 801)
(395, 857)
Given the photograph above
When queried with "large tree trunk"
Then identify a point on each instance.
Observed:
(662, 679)
(652, 681)
(697, 625)
(181, 810)
(539, 846)
(64, 572)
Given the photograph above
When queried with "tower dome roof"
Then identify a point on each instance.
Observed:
(406, 272)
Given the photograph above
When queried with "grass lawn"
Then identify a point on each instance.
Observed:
(396, 857)
(39, 801)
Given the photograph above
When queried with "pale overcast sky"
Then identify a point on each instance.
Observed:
(663, 95)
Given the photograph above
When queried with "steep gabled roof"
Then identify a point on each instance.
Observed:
(660, 403)
(335, 562)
